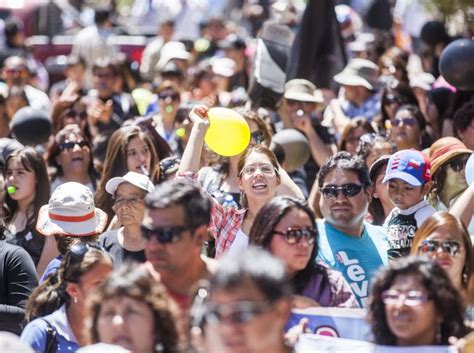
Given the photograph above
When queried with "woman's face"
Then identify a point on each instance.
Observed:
(381, 189)
(168, 101)
(413, 322)
(455, 181)
(74, 155)
(452, 263)
(353, 139)
(294, 256)
(138, 156)
(129, 205)
(128, 323)
(405, 131)
(258, 179)
(89, 281)
(77, 114)
(22, 179)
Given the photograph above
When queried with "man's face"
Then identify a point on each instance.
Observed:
(467, 135)
(104, 80)
(171, 257)
(15, 72)
(291, 108)
(345, 213)
(255, 330)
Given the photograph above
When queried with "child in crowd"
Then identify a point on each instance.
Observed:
(409, 181)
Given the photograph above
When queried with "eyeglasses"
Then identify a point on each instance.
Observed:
(294, 235)
(258, 137)
(238, 313)
(452, 247)
(405, 121)
(348, 190)
(131, 201)
(70, 145)
(458, 164)
(165, 234)
(74, 256)
(410, 298)
(169, 163)
(266, 169)
(172, 96)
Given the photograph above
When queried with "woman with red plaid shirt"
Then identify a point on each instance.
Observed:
(259, 177)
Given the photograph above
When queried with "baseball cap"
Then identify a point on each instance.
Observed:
(141, 181)
(411, 166)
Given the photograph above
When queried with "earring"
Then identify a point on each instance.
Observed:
(74, 299)
(159, 348)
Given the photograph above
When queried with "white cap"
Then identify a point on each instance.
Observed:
(172, 50)
(103, 348)
(139, 180)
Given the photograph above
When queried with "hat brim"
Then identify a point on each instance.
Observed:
(112, 185)
(305, 97)
(349, 79)
(375, 167)
(47, 226)
(438, 162)
(408, 178)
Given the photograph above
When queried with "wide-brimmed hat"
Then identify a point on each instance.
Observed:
(71, 212)
(359, 72)
(445, 149)
(302, 90)
(141, 181)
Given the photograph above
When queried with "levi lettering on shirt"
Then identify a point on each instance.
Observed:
(357, 258)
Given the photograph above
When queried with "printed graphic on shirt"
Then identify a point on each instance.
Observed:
(401, 230)
(355, 274)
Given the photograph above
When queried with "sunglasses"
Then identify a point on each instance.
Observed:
(405, 121)
(239, 312)
(410, 298)
(72, 113)
(74, 256)
(266, 169)
(165, 234)
(348, 190)
(294, 235)
(391, 99)
(451, 247)
(66, 146)
(169, 163)
(172, 96)
(258, 137)
(458, 164)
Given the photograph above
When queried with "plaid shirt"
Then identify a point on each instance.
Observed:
(225, 221)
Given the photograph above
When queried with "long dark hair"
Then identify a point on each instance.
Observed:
(115, 163)
(33, 162)
(136, 282)
(447, 300)
(262, 233)
(52, 294)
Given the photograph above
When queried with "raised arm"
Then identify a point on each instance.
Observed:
(463, 208)
(190, 161)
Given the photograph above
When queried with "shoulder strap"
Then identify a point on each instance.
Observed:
(51, 338)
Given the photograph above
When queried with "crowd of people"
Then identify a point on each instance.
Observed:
(120, 226)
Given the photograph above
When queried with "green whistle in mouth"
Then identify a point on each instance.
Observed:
(11, 189)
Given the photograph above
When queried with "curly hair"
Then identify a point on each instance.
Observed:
(446, 298)
(134, 281)
(463, 118)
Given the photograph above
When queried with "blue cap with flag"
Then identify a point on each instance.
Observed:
(411, 166)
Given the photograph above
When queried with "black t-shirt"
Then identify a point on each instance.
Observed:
(17, 281)
(28, 239)
(109, 241)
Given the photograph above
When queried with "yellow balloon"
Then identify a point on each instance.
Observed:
(228, 133)
(142, 98)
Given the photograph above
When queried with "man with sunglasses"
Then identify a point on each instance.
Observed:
(348, 243)
(175, 225)
(247, 305)
(298, 111)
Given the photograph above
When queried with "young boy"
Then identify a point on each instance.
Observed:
(409, 181)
